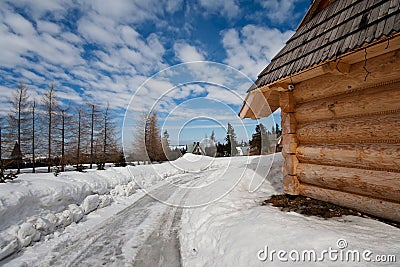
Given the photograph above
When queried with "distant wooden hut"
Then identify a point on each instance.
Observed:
(337, 83)
(195, 148)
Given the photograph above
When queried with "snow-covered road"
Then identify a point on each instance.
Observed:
(144, 233)
(196, 211)
(110, 242)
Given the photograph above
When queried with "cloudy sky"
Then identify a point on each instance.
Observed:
(130, 53)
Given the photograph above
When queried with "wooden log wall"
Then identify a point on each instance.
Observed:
(341, 137)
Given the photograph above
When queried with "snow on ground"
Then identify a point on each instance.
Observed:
(237, 231)
(222, 223)
(34, 206)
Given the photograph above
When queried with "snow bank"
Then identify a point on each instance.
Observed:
(41, 193)
(233, 230)
(37, 205)
(90, 203)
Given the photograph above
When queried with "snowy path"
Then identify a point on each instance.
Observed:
(162, 248)
(114, 242)
(144, 233)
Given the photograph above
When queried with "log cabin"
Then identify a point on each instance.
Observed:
(337, 84)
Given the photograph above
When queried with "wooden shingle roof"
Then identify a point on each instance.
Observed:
(341, 27)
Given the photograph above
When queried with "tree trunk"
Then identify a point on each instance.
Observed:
(79, 140)
(91, 137)
(33, 137)
(19, 129)
(62, 141)
(105, 133)
(49, 133)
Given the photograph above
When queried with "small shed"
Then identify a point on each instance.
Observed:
(195, 148)
(337, 84)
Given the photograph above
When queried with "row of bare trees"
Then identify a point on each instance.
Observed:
(47, 132)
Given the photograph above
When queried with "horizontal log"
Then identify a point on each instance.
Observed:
(379, 156)
(382, 98)
(376, 184)
(381, 208)
(288, 123)
(382, 68)
(375, 128)
(291, 185)
(289, 143)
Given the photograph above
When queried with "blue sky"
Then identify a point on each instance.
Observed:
(105, 51)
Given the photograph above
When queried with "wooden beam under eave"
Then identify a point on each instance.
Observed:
(244, 110)
(259, 104)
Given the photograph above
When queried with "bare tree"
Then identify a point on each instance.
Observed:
(33, 135)
(94, 121)
(18, 119)
(79, 134)
(50, 105)
(107, 135)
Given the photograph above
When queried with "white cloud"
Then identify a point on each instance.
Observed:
(127, 11)
(18, 24)
(39, 8)
(32, 76)
(96, 29)
(279, 11)
(49, 27)
(226, 8)
(187, 53)
(251, 48)
(120, 60)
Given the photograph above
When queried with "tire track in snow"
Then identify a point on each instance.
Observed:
(104, 245)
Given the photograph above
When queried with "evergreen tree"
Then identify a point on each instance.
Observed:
(260, 141)
(278, 130)
(16, 154)
(255, 142)
(231, 141)
(165, 146)
(209, 145)
(153, 138)
(212, 136)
